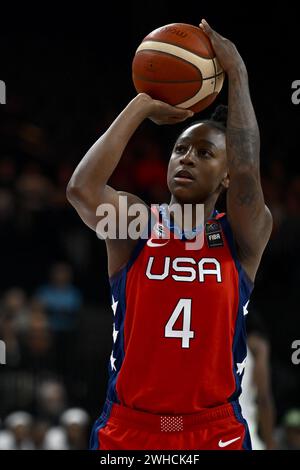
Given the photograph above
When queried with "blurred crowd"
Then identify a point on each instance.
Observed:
(54, 307)
(22, 432)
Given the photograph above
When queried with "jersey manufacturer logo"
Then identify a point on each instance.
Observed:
(160, 231)
(227, 443)
(155, 243)
(161, 237)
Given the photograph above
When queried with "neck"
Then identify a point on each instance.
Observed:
(209, 206)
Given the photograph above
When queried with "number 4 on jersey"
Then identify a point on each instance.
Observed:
(185, 306)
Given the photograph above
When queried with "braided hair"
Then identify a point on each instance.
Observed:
(218, 119)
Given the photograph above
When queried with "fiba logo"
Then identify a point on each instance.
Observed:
(2, 352)
(2, 92)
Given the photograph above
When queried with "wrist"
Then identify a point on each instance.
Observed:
(144, 104)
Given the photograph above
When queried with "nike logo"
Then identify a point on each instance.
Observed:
(151, 243)
(227, 443)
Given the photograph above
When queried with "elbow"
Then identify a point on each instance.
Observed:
(79, 195)
(73, 192)
(70, 191)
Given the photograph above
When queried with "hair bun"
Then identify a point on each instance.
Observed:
(220, 114)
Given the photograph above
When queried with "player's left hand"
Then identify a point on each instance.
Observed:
(226, 52)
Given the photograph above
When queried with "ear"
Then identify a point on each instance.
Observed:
(225, 181)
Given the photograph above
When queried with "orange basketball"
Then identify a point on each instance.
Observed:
(177, 64)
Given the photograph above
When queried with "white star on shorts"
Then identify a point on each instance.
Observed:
(115, 333)
(112, 361)
(241, 367)
(114, 305)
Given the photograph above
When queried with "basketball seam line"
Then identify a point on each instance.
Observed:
(177, 58)
(148, 48)
(139, 77)
(214, 74)
(177, 45)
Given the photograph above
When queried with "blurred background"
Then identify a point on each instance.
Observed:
(68, 75)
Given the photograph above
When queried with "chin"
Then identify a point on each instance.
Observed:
(183, 195)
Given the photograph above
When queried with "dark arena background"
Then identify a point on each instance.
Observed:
(67, 73)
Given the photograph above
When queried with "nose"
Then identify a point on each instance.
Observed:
(188, 157)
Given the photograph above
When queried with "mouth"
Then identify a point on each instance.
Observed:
(183, 176)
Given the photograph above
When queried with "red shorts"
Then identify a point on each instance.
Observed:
(122, 428)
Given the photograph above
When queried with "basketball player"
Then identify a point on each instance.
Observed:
(179, 340)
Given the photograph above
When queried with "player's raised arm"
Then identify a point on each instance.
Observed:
(88, 188)
(250, 219)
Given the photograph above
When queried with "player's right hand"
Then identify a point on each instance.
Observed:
(163, 113)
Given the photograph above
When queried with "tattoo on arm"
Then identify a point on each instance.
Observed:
(248, 192)
(243, 146)
(242, 134)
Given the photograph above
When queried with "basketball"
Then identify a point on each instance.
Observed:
(176, 64)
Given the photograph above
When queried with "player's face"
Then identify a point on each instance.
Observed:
(198, 164)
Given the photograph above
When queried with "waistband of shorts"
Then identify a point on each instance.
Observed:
(168, 422)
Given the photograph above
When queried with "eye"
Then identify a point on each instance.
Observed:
(204, 153)
(180, 148)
